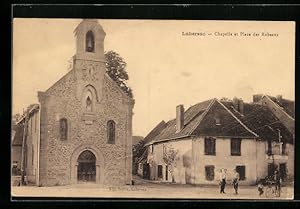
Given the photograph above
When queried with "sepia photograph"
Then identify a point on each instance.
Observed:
(132, 108)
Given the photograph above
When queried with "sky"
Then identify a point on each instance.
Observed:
(166, 66)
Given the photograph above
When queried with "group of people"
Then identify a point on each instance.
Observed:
(235, 181)
(275, 179)
(236, 178)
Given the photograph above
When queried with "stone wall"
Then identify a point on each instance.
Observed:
(61, 101)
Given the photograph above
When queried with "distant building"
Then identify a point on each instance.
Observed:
(81, 130)
(253, 138)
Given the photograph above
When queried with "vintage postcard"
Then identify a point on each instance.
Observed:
(179, 109)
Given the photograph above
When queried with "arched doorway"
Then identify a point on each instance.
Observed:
(86, 169)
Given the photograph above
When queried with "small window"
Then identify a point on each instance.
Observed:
(159, 171)
(283, 148)
(210, 146)
(241, 169)
(63, 129)
(89, 42)
(218, 121)
(111, 126)
(209, 172)
(235, 147)
(167, 173)
(89, 101)
(269, 149)
(151, 148)
(32, 155)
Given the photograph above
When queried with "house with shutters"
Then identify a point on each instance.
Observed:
(252, 138)
(81, 130)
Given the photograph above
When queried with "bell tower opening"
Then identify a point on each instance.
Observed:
(89, 42)
(86, 170)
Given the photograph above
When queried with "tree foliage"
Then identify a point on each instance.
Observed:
(137, 151)
(15, 118)
(116, 69)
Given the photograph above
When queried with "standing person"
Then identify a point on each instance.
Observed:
(235, 181)
(277, 182)
(223, 180)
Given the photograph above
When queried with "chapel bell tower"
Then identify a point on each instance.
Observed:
(89, 63)
(90, 40)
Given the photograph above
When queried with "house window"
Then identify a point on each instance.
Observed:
(269, 151)
(241, 169)
(218, 121)
(89, 42)
(167, 171)
(283, 171)
(151, 148)
(210, 146)
(159, 171)
(235, 145)
(283, 148)
(32, 155)
(63, 129)
(111, 131)
(209, 172)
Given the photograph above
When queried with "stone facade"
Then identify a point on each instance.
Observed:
(86, 123)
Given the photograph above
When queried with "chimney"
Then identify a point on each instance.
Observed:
(235, 102)
(257, 98)
(279, 98)
(241, 106)
(179, 118)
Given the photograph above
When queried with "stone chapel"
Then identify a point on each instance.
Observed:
(83, 123)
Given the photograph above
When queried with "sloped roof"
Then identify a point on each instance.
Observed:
(18, 138)
(257, 121)
(143, 158)
(31, 108)
(219, 121)
(287, 105)
(93, 22)
(155, 131)
(191, 116)
(262, 121)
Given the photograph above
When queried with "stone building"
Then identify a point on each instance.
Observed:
(83, 123)
(216, 134)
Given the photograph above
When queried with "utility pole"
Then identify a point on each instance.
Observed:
(24, 150)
